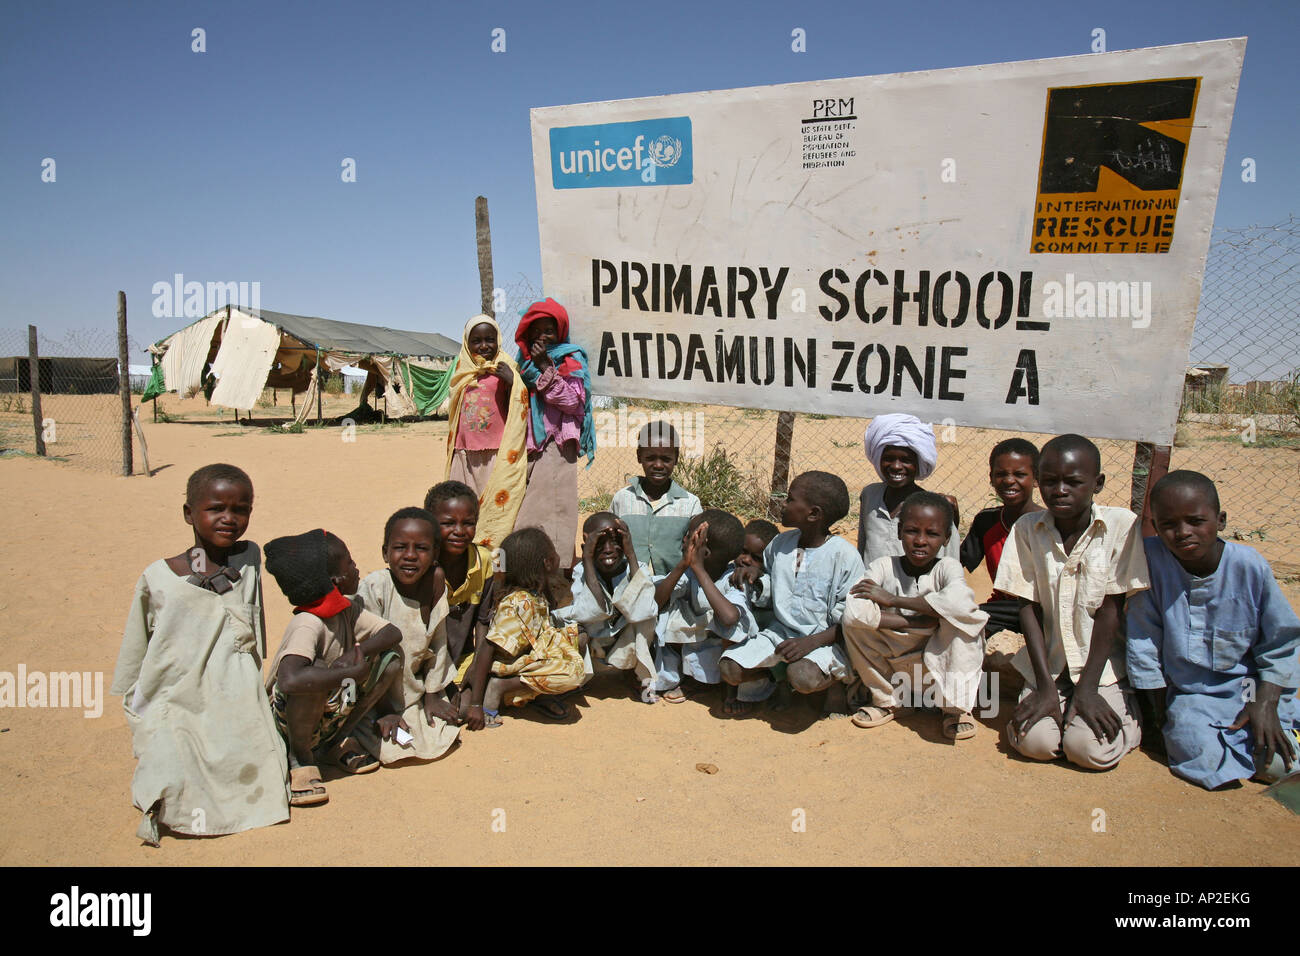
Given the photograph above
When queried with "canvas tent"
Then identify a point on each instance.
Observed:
(248, 350)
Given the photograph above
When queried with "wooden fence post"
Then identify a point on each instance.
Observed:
(34, 373)
(781, 463)
(124, 385)
(1150, 464)
(483, 236)
(320, 387)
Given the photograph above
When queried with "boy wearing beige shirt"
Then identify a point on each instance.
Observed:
(1071, 566)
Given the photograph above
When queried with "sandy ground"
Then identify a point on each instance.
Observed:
(616, 785)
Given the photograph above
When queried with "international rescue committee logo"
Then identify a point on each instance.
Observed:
(1112, 166)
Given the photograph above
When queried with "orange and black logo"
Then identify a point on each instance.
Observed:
(1112, 166)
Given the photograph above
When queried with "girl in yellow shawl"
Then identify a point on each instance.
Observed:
(488, 411)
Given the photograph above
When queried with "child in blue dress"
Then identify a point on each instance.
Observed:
(1212, 646)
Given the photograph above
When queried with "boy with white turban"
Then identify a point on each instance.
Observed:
(902, 450)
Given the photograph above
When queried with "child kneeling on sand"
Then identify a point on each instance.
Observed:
(1212, 646)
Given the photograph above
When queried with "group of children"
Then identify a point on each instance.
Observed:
(452, 631)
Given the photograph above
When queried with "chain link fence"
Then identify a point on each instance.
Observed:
(1240, 421)
(81, 409)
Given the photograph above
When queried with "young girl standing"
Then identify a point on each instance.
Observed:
(523, 651)
(190, 676)
(487, 428)
(412, 593)
(559, 424)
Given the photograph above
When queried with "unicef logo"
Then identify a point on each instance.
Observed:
(666, 151)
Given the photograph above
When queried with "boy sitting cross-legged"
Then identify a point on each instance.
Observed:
(914, 615)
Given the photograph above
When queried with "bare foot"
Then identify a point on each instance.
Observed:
(551, 708)
(782, 697)
(836, 705)
(733, 706)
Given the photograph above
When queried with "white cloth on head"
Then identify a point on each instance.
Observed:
(905, 431)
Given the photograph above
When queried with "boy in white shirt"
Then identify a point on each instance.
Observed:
(1072, 565)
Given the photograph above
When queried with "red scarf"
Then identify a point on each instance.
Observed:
(327, 607)
(548, 309)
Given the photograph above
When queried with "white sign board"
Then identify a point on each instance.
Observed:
(1012, 246)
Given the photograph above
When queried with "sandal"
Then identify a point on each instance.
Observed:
(674, 696)
(870, 716)
(349, 758)
(952, 724)
(306, 788)
(491, 719)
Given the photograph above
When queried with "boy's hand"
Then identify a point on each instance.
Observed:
(349, 658)
(745, 575)
(920, 621)
(438, 706)
(869, 589)
(797, 648)
(388, 725)
(1096, 713)
(1037, 705)
(1267, 730)
(352, 663)
(625, 540)
(694, 556)
(589, 539)
(474, 718)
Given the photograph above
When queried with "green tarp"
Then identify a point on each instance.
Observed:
(428, 388)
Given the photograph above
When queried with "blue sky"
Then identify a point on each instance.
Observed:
(225, 166)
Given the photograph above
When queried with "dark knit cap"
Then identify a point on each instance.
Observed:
(300, 565)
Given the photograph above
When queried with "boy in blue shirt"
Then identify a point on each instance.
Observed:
(1212, 646)
(655, 508)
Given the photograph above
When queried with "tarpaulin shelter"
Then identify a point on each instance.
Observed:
(247, 350)
(60, 376)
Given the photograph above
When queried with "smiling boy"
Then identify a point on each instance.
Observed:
(614, 603)
(190, 675)
(1213, 644)
(1012, 464)
(655, 508)
(901, 448)
(1071, 566)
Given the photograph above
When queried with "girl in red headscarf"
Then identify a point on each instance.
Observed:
(559, 424)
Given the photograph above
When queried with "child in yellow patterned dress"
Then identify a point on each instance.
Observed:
(528, 657)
